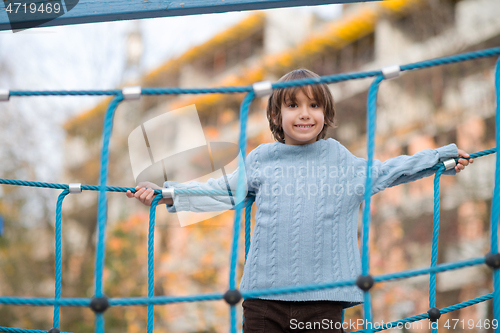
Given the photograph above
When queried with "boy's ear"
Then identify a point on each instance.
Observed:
(275, 121)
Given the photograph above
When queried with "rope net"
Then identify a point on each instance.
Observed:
(99, 303)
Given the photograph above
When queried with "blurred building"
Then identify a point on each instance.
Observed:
(421, 109)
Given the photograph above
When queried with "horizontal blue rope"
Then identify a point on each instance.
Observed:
(33, 184)
(158, 300)
(419, 317)
(453, 59)
(20, 330)
(111, 188)
(180, 191)
(436, 269)
(44, 301)
(242, 89)
(251, 294)
(28, 93)
(466, 303)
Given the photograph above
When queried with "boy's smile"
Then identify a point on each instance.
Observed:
(302, 119)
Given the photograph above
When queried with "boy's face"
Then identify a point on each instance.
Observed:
(301, 111)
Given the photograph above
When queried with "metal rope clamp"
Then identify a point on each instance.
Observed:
(391, 72)
(449, 164)
(132, 93)
(263, 88)
(4, 95)
(168, 193)
(75, 188)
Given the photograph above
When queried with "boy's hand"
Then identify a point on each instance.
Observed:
(144, 193)
(462, 163)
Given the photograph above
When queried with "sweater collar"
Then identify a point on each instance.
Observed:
(299, 147)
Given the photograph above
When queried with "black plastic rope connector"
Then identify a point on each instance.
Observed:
(232, 296)
(434, 314)
(54, 330)
(99, 304)
(365, 282)
(492, 260)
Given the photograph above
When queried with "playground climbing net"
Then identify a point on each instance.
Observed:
(99, 303)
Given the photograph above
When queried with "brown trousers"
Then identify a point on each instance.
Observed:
(269, 316)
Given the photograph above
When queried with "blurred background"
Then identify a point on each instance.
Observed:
(57, 139)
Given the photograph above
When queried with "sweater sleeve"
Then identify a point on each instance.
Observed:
(210, 203)
(404, 169)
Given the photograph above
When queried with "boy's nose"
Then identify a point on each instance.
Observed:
(304, 112)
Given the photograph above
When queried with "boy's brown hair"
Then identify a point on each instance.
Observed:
(320, 93)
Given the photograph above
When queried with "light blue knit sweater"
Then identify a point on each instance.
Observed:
(308, 199)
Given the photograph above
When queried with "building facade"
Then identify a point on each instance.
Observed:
(421, 109)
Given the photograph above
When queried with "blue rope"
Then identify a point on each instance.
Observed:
(152, 300)
(239, 190)
(437, 269)
(60, 199)
(242, 89)
(435, 241)
(495, 205)
(44, 301)
(448, 309)
(365, 259)
(32, 93)
(6, 181)
(239, 198)
(20, 330)
(85, 302)
(102, 206)
(452, 59)
(151, 260)
(248, 224)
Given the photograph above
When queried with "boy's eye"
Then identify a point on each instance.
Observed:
(294, 105)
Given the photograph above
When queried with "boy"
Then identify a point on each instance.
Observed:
(306, 221)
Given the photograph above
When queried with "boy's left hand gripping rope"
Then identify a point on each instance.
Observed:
(4, 95)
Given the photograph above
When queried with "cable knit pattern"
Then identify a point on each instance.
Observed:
(274, 220)
(295, 234)
(256, 236)
(339, 197)
(318, 221)
(351, 231)
(303, 236)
